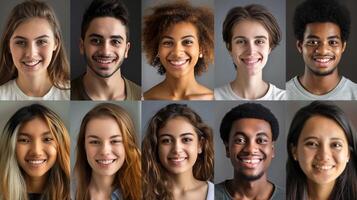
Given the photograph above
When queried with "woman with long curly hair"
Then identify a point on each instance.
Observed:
(35, 158)
(108, 159)
(177, 156)
(33, 62)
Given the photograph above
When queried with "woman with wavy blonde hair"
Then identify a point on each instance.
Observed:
(33, 62)
(35, 158)
(108, 158)
(177, 156)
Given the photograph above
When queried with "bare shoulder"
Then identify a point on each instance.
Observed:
(154, 93)
(203, 93)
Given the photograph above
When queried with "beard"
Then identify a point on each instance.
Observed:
(319, 73)
(94, 68)
(250, 177)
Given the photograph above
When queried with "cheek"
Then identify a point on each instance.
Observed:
(20, 152)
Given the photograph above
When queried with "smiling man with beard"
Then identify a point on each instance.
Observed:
(321, 40)
(249, 132)
(105, 45)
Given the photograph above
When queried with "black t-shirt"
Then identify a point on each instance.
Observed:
(35, 196)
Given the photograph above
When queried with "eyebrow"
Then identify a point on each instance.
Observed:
(29, 135)
(316, 138)
(243, 134)
(184, 37)
(256, 37)
(96, 137)
(100, 36)
(316, 37)
(39, 37)
(181, 135)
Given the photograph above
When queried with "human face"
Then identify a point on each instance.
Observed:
(104, 146)
(249, 46)
(31, 46)
(36, 149)
(179, 146)
(250, 148)
(322, 150)
(322, 48)
(105, 46)
(179, 49)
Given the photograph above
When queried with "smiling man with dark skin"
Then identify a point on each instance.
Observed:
(249, 132)
(321, 40)
(105, 45)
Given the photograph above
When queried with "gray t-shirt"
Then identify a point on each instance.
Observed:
(221, 193)
(345, 90)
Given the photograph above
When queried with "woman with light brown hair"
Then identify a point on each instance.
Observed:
(177, 156)
(34, 162)
(108, 159)
(33, 62)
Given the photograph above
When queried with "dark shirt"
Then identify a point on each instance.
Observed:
(35, 196)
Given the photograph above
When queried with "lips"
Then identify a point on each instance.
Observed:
(251, 61)
(323, 61)
(36, 162)
(178, 63)
(177, 161)
(105, 161)
(104, 59)
(31, 63)
(323, 167)
(250, 161)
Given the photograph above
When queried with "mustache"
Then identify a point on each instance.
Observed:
(105, 56)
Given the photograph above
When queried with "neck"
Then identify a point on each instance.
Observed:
(319, 192)
(101, 184)
(183, 182)
(35, 86)
(35, 184)
(98, 88)
(244, 189)
(249, 86)
(181, 87)
(319, 85)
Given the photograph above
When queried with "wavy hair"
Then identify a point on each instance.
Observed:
(156, 181)
(58, 69)
(128, 178)
(345, 187)
(13, 185)
(166, 15)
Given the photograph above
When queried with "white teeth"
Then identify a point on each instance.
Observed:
(252, 161)
(105, 162)
(36, 162)
(178, 62)
(323, 167)
(323, 60)
(32, 63)
(250, 61)
(104, 61)
(177, 159)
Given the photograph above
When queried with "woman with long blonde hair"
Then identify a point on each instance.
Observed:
(34, 162)
(108, 159)
(33, 62)
(177, 156)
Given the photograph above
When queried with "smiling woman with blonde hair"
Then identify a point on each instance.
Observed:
(33, 62)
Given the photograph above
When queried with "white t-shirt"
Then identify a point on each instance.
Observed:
(11, 91)
(345, 90)
(210, 192)
(226, 93)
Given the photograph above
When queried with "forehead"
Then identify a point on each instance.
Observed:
(33, 27)
(251, 127)
(34, 127)
(106, 26)
(322, 128)
(249, 28)
(102, 127)
(322, 30)
(177, 126)
(181, 29)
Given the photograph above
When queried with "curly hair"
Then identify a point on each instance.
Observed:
(128, 178)
(12, 177)
(251, 12)
(311, 11)
(167, 15)
(156, 182)
(58, 69)
(345, 186)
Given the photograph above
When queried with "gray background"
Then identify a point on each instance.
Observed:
(61, 9)
(294, 61)
(80, 108)
(132, 65)
(274, 70)
(150, 76)
(223, 166)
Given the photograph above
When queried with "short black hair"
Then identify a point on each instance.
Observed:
(248, 110)
(311, 11)
(105, 8)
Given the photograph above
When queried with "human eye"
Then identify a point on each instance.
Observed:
(117, 141)
(94, 142)
(187, 140)
(240, 41)
(334, 43)
(187, 42)
(41, 42)
(311, 144)
(240, 140)
(167, 43)
(116, 42)
(23, 140)
(260, 41)
(165, 141)
(262, 140)
(312, 42)
(21, 43)
(95, 41)
(337, 145)
(48, 139)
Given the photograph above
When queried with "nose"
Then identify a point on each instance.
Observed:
(251, 147)
(178, 49)
(323, 48)
(323, 153)
(105, 148)
(36, 148)
(177, 146)
(251, 48)
(31, 50)
(106, 47)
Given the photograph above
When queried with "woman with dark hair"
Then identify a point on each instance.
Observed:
(35, 158)
(322, 156)
(177, 156)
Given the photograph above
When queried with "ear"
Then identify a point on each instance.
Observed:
(294, 152)
(344, 46)
(228, 155)
(56, 44)
(81, 46)
(127, 50)
(201, 143)
(299, 46)
(273, 150)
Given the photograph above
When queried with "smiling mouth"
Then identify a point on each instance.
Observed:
(322, 167)
(36, 162)
(105, 161)
(251, 61)
(323, 60)
(250, 162)
(178, 63)
(104, 60)
(31, 63)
